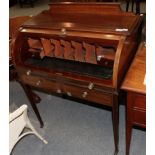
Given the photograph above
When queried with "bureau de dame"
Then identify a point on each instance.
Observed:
(81, 50)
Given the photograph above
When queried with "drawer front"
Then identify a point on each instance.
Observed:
(42, 83)
(139, 101)
(100, 97)
(139, 118)
(136, 108)
(89, 95)
(74, 91)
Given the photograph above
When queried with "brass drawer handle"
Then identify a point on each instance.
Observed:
(63, 31)
(69, 94)
(90, 86)
(59, 91)
(84, 94)
(38, 83)
(106, 63)
(28, 72)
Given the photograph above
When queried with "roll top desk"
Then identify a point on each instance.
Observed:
(78, 49)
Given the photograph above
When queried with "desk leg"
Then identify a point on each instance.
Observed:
(115, 116)
(127, 5)
(33, 98)
(129, 115)
(128, 137)
(137, 6)
(133, 4)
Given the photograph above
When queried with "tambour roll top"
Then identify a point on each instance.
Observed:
(94, 40)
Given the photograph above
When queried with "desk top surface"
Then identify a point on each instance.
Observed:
(115, 24)
(135, 77)
(101, 18)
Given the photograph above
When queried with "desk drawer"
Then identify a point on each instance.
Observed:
(136, 108)
(139, 117)
(81, 92)
(89, 95)
(100, 97)
(39, 82)
(139, 101)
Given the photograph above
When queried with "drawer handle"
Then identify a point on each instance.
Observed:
(106, 63)
(59, 91)
(28, 72)
(90, 86)
(38, 83)
(84, 94)
(63, 31)
(69, 94)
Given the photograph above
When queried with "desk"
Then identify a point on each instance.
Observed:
(65, 52)
(134, 84)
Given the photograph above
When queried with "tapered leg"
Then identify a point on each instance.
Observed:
(137, 6)
(128, 136)
(133, 4)
(31, 3)
(20, 3)
(30, 96)
(129, 115)
(115, 120)
(127, 4)
(36, 98)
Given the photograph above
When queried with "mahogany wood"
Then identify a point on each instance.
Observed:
(62, 50)
(14, 25)
(134, 84)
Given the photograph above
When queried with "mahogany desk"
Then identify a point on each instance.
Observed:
(134, 84)
(65, 52)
